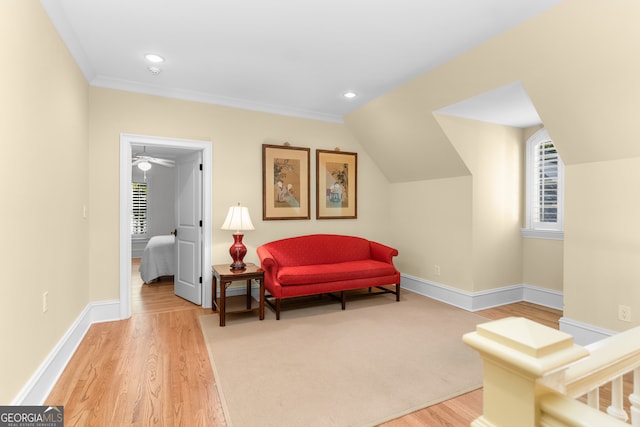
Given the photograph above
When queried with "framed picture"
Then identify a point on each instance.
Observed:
(285, 182)
(336, 185)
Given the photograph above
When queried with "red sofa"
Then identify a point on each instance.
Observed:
(326, 263)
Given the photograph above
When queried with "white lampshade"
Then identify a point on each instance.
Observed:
(238, 219)
(144, 166)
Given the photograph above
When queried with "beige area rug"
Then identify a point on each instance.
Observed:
(321, 366)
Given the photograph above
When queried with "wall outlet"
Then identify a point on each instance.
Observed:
(624, 313)
(436, 270)
(45, 302)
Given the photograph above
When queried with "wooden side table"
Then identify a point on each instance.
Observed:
(225, 275)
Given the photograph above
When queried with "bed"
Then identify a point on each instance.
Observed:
(157, 258)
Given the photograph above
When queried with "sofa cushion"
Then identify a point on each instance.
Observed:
(319, 273)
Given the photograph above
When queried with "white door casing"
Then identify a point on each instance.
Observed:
(188, 243)
(126, 142)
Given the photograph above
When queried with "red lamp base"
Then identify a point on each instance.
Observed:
(237, 251)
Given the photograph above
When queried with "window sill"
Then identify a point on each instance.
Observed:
(542, 234)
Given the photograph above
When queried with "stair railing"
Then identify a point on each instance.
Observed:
(533, 376)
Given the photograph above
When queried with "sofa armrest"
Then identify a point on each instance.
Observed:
(269, 264)
(267, 261)
(381, 252)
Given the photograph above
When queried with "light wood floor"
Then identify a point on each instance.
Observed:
(153, 369)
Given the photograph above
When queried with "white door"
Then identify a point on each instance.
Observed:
(188, 246)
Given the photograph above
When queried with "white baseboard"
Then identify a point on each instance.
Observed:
(240, 290)
(462, 299)
(583, 333)
(42, 381)
(45, 377)
(474, 301)
(543, 296)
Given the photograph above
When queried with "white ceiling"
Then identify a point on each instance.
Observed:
(289, 57)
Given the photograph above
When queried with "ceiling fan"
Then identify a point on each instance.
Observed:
(144, 162)
(155, 160)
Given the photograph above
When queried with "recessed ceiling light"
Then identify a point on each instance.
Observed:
(350, 95)
(152, 57)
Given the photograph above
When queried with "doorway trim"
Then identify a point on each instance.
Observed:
(126, 143)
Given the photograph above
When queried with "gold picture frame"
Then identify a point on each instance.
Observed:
(336, 185)
(285, 182)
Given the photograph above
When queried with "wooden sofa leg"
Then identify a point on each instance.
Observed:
(277, 308)
(397, 291)
(343, 299)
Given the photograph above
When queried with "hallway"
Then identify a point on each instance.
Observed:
(156, 297)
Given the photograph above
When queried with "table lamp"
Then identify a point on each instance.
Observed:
(238, 219)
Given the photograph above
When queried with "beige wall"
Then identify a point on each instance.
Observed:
(575, 61)
(470, 226)
(493, 155)
(431, 221)
(578, 64)
(236, 137)
(43, 183)
(543, 262)
(602, 242)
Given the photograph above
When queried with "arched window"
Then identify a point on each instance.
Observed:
(545, 188)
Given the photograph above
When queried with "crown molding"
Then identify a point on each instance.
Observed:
(206, 98)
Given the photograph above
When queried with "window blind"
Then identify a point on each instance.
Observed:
(546, 184)
(139, 220)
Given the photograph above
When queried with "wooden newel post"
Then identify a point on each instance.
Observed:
(521, 360)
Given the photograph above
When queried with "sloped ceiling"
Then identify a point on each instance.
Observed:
(577, 63)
